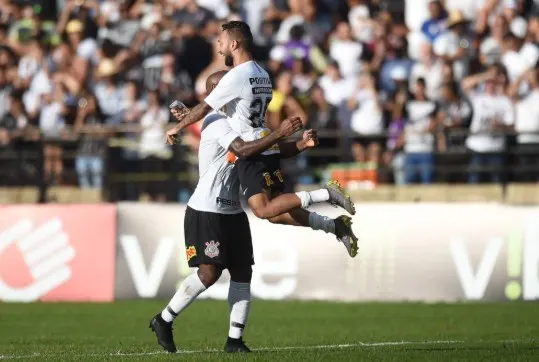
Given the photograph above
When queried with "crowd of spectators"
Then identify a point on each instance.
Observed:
(419, 91)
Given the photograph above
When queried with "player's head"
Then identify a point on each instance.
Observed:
(213, 80)
(235, 37)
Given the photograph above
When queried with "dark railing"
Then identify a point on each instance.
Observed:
(24, 163)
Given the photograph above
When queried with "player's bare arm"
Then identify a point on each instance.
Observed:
(245, 149)
(194, 115)
(293, 148)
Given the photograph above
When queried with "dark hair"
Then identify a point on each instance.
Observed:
(297, 32)
(240, 32)
(421, 81)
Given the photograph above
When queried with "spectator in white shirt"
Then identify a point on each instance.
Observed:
(429, 68)
(361, 22)
(527, 126)
(455, 45)
(419, 138)
(518, 56)
(493, 116)
(366, 121)
(491, 47)
(110, 93)
(336, 88)
(345, 50)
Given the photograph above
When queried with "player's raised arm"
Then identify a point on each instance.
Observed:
(293, 148)
(245, 149)
(194, 115)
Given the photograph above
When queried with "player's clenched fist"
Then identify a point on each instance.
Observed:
(290, 126)
(310, 138)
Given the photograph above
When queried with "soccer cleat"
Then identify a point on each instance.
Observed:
(345, 234)
(339, 197)
(233, 345)
(163, 331)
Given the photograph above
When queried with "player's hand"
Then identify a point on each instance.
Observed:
(310, 138)
(47, 254)
(290, 126)
(172, 136)
(180, 113)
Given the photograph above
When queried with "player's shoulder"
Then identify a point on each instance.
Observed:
(214, 120)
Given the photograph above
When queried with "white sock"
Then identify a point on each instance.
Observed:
(239, 300)
(189, 289)
(305, 198)
(321, 195)
(319, 222)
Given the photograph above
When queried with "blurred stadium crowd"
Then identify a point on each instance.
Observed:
(414, 91)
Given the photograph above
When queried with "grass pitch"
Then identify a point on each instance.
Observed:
(278, 331)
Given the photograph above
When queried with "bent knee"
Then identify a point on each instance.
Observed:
(209, 274)
(242, 274)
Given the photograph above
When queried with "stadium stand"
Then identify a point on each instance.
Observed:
(414, 92)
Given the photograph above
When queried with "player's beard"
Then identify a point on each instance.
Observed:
(229, 61)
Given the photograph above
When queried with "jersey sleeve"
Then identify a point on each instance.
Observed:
(222, 132)
(228, 89)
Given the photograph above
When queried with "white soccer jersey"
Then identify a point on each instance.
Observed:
(218, 188)
(486, 110)
(246, 91)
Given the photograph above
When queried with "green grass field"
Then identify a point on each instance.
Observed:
(284, 331)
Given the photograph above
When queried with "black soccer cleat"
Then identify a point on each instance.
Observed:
(233, 345)
(163, 331)
(345, 234)
(339, 197)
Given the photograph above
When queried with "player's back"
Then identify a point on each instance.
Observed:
(246, 90)
(218, 185)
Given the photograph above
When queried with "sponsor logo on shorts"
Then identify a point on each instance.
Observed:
(212, 249)
(190, 252)
(225, 202)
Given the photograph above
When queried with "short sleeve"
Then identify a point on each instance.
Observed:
(226, 91)
(87, 49)
(220, 130)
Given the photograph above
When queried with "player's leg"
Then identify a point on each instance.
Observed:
(265, 207)
(189, 290)
(202, 230)
(239, 264)
(239, 300)
(341, 227)
(262, 176)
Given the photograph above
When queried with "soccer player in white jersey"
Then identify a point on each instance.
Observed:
(246, 91)
(217, 233)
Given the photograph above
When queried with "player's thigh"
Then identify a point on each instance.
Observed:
(239, 244)
(260, 174)
(204, 238)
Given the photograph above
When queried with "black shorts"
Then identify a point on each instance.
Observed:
(218, 239)
(259, 173)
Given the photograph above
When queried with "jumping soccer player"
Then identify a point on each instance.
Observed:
(246, 91)
(217, 233)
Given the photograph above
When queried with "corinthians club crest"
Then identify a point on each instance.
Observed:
(212, 249)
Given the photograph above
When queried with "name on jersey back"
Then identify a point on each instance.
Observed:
(261, 81)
